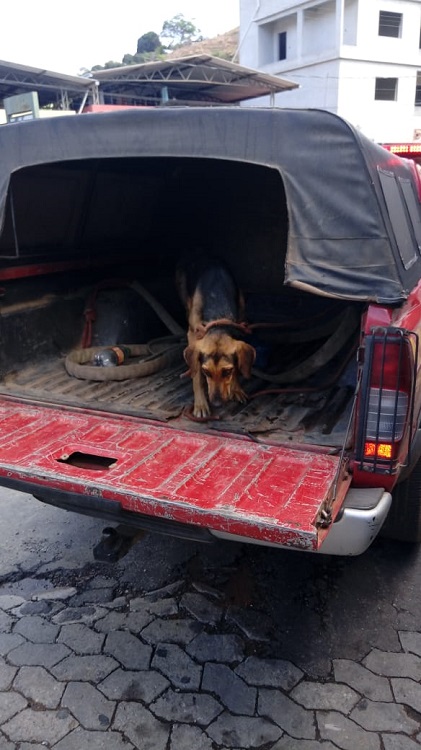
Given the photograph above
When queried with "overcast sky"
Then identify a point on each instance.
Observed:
(66, 37)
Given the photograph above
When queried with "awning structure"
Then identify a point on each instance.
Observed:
(197, 79)
(56, 89)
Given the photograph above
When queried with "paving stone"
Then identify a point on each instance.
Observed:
(394, 664)
(6, 622)
(5, 744)
(9, 641)
(88, 705)
(87, 614)
(255, 625)
(26, 587)
(84, 668)
(10, 704)
(183, 737)
(201, 608)
(372, 686)
(40, 726)
(234, 693)
(133, 621)
(93, 596)
(177, 666)
(405, 691)
(35, 608)
(219, 647)
(36, 629)
(141, 727)
(38, 654)
(117, 603)
(61, 593)
(191, 708)
(7, 674)
(128, 650)
(269, 672)
(292, 718)
(171, 631)
(160, 607)
(242, 731)
(345, 733)
(31, 746)
(398, 742)
(39, 686)
(113, 621)
(288, 743)
(81, 639)
(164, 591)
(376, 716)
(325, 696)
(80, 739)
(132, 686)
(410, 641)
(9, 601)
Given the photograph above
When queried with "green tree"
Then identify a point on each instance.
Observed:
(151, 46)
(149, 42)
(178, 31)
(109, 64)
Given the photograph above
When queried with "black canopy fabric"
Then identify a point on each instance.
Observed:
(343, 239)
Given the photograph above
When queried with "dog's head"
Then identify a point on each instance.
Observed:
(221, 359)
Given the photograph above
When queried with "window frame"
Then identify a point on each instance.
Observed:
(385, 90)
(390, 22)
(282, 45)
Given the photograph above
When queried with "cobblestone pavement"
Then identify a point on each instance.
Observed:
(180, 646)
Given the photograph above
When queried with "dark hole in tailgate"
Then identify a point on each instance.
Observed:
(88, 461)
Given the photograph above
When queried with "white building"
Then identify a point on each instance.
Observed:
(358, 58)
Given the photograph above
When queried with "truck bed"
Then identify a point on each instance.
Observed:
(311, 416)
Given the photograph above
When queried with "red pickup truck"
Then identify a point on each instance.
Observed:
(322, 230)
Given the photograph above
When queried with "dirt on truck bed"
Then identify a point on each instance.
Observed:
(308, 415)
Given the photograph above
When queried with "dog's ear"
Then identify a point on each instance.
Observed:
(246, 355)
(191, 355)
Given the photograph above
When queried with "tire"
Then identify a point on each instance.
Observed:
(404, 518)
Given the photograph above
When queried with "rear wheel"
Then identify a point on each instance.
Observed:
(403, 521)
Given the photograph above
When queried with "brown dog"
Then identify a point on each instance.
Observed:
(216, 354)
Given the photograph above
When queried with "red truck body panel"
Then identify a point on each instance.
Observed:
(267, 493)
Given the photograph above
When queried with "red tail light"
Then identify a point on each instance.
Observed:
(386, 400)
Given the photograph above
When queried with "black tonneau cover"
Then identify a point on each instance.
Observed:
(342, 240)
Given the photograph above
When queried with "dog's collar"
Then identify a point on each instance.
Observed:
(202, 329)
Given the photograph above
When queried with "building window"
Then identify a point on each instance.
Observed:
(386, 89)
(418, 90)
(282, 45)
(390, 24)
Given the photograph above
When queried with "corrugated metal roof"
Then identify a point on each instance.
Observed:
(197, 78)
(18, 79)
(187, 80)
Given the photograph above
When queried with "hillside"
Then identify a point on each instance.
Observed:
(223, 46)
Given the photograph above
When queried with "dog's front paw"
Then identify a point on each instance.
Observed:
(201, 410)
(239, 395)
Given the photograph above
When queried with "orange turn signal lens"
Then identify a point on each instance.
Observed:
(378, 450)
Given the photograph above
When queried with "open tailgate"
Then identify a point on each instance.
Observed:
(229, 484)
